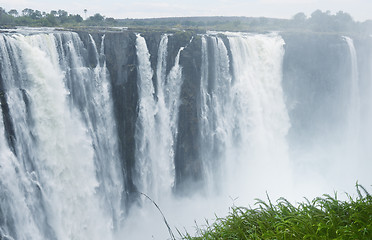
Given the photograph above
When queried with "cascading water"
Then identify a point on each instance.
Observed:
(15, 183)
(56, 151)
(244, 119)
(165, 129)
(348, 146)
(156, 127)
(62, 171)
(216, 112)
(95, 104)
(145, 125)
(353, 118)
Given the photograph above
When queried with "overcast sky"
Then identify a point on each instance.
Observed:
(359, 9)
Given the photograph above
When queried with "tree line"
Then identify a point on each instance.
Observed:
(326, 22)
(318, 21)
(36, 18)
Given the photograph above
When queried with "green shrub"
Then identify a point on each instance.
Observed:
(322, 218)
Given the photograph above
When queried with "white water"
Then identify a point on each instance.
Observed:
(216, 112)
(229, 129)
(98, 115)
(353, 118)
(166, 128)
(14, 185)
(156, 134)
(146, 164)
(65, 150)
(156, 127)
(65, 179)
(249, 117)
(60, 167)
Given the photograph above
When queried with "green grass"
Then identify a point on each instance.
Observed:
(322, 218)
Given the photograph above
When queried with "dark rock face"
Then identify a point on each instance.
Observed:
(175, 42)
(121, 63)
(187, 159)
(9, 128)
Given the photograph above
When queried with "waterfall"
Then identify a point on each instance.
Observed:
(156, 127)
(17, 218)
(166, 120)
(97, 110)
(145, 125)
(84, 122)
(216, 128)
(173, 90)
(258, 93)
(243, 117)
(353, 114)
(57, 148)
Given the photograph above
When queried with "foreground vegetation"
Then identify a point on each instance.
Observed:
(322, 218)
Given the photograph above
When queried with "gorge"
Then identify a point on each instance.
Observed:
(90, 120)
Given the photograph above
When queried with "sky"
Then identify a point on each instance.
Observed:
(360, 10)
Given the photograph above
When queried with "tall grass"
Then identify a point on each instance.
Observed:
(324, 217)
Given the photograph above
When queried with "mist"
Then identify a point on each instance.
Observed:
(115, 133)
(285, 116)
